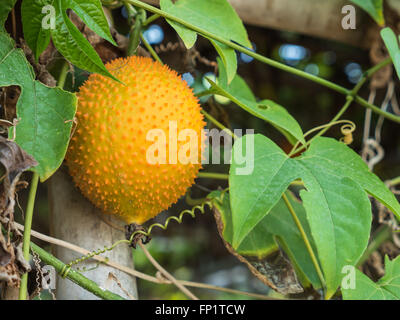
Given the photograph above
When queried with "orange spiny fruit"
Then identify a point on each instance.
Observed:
(107, 154)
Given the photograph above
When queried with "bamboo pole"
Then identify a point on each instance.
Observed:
(76, 220)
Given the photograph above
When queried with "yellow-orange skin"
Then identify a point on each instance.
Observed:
(107, 153)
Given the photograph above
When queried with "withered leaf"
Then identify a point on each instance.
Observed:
(267, 261)
(13, 162)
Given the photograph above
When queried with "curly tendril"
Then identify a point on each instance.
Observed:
(192, 212)
(347, 131)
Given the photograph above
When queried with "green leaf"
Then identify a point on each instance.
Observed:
(336, 181)
(339, 159)
(392, 44)
(35, 35)
(239, 93)
(92, 14)
(387, 288)
(44, 114)
(340, 174)
(188, 36)
(277, 229)
(228, 57)
(339, 215)
(66, 36)
(374, 8)
(254, 195)
(5, 9)
(261, 248)
(215, 16)
(73, 45)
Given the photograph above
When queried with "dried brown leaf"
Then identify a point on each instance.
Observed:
(13, 161)
(274, 270)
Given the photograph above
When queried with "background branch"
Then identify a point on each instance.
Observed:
(315, 18)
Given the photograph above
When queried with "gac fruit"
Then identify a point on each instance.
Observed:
(107, 153)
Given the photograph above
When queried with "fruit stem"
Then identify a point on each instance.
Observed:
(139, 16)
(151, 19)
(27, 233)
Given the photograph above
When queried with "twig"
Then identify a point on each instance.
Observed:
(83, 251)
(134, 272)
(384, 106)
(112, 277)
(166, 273)
(63, 74)
(216, 288)
(367, 124)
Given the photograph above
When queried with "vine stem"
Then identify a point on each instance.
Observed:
(218, 124)
(63, 75)
(350, 97)
(225, 176)
(213, 175)
(150, 48)
(305, 240)
(271, 62)
(31, 202)
(75, 276)
(349, 100)
(27, 233)
(394, 181)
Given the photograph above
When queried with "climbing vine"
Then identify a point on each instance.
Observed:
(310, 206)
